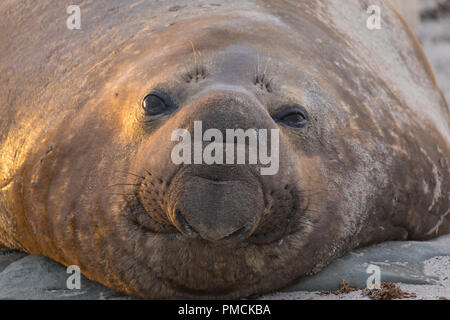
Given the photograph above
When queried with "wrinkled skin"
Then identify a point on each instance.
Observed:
(85, 180)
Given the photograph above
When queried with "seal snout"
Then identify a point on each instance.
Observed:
(215, 210)
(210, 192)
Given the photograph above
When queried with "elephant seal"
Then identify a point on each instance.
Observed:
(87, 117)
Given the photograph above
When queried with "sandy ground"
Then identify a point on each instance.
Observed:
(438, 266)
(435, 38)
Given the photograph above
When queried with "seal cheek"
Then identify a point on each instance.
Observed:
(36, 195)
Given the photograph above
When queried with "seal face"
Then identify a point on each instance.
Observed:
(88, 177)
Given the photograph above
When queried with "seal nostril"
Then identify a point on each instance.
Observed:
(183, 225)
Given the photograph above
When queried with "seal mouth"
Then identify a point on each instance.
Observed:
(175, 258)
(281, 208)
(187, 230)
(203, 205)
(217, 181)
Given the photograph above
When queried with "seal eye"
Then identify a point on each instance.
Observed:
(293, 117)
(154, 104)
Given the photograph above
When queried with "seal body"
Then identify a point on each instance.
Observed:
(86, 124)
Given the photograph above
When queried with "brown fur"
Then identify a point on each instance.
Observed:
(372, 164)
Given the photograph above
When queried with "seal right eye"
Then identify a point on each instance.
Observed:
(292, 117)
(154, 104)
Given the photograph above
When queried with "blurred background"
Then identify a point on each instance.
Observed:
(430, 20)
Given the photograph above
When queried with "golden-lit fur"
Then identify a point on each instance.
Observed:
(84, 180)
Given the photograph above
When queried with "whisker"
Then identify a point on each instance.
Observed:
(308, 224)
(195, 56)
(268, 85)
(187, 73)
(264, 73)
(133, 174)
(257, 70)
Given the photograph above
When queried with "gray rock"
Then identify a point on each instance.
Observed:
(8, 256)
(38, 278)
(399, 261)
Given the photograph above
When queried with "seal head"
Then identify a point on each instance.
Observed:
(90, 170)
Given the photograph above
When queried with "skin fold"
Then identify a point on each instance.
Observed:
(87, 179)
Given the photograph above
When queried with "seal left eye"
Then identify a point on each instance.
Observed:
(154, 105)
(293, 117)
